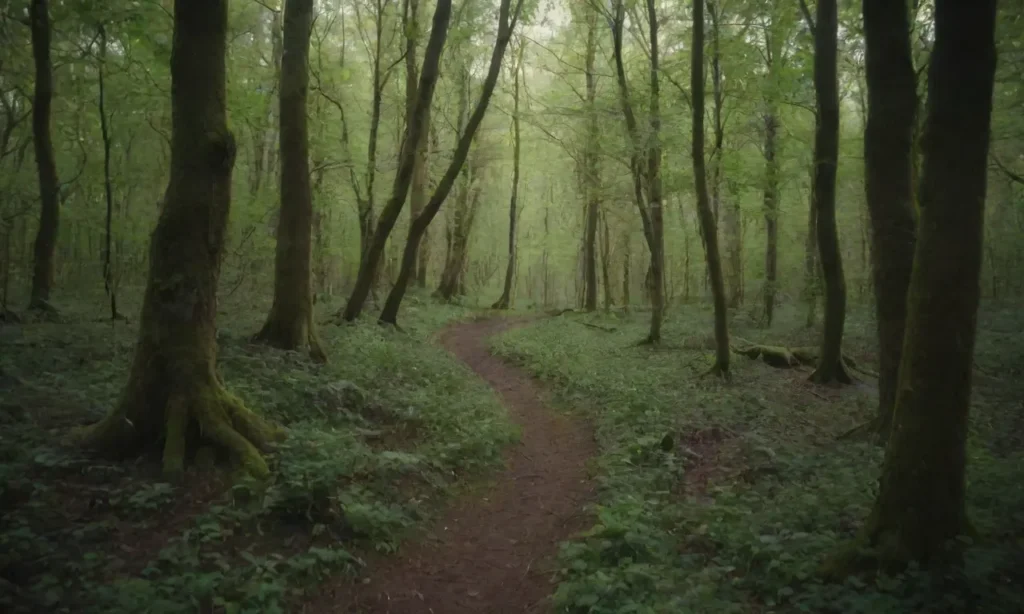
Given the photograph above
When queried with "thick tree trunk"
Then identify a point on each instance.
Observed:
(826, 157)
(290, 324)
(707, 218)
(407, 161)
(888, 151)
(506, 24)
(174, 393)
(920, 505)
(49, 213)
(458, 243)
(505, 301)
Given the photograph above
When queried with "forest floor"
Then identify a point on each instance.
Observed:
(726, 497)
(572, 470)
(494, 550)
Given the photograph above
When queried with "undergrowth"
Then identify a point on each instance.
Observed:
(725, 497)
(377, 438)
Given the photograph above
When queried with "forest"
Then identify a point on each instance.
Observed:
(505, 306)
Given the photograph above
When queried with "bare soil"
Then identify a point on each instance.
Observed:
(494, 549)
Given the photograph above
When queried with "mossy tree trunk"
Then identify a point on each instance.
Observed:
(415, 128)
(888, 148)
(505, 301)
(173, 393)
(704, 212)
(49, 188)
(290, 324)
(920, 504)
(421, 170)
(771, 213)
(826, 158)
(811, 269)
(507, 19)
(654, 185)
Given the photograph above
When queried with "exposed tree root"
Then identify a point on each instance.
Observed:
(832, 373)
(220, 417)
(607, 329)
(9, 317)
(42, 311)
(876, 430)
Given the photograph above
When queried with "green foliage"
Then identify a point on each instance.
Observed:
(727, 497)
(377, 438)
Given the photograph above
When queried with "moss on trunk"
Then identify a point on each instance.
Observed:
(173, 395)
(920, 505)
(290, 325)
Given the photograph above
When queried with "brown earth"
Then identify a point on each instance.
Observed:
(494, 550)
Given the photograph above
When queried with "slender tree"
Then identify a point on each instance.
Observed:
(108, 187)
(640, 169)
(704, 212)
(414, 129)
(920, 504)
(49, 188)
(505, 301)
(888, 149)
(590, 167)
(421, 170)
(826, 158)
(173, 391)
(290, 323)
(507, 19)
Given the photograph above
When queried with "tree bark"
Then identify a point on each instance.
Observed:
(407, 160)
(49, 188)
(174, 393)
(421, 170)
(506, 24)
(888, 148)
(810, 290)
(108, 188)
(654, 187)
(707, 218)
(920, 504)
(505, 301)
(826, 157)
(290, 324)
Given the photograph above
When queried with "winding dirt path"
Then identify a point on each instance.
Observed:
(493, 551)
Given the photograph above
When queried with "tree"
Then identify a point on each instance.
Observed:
(920, 504)
(421, 170)
(826, 158)
(414, 129)
(888, 151)
(640, 170)
(290, 325)
(704, 212)
(108, 188)
(507, 19)
(49, 188)
(590, 168)
(505, 301)
(174, 393)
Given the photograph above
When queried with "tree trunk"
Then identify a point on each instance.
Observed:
(771, 216)
(606, 254)
(420, 172)
(407, 161)
(654, 188)
(108, 188)
(888, 147)
(174, 393)
(826, 157)
(506, 24)
(728, 213)
(591, 178)
(506, 293)
(290, 325)
(639, 174)
(707, 218)
(811, 260)
(920, 505)
(49, 214)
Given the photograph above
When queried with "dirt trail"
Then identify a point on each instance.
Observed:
(492, 551)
